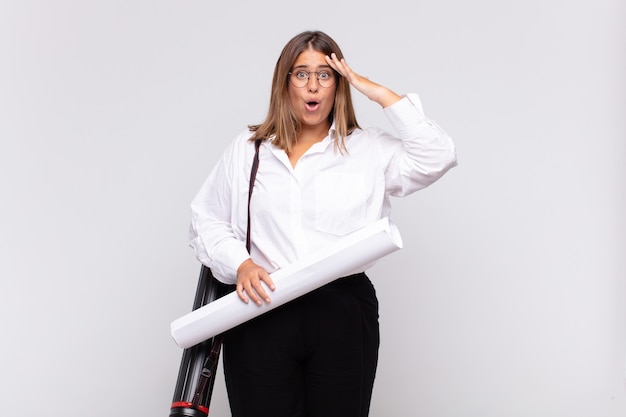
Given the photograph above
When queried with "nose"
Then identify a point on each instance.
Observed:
(313, 85)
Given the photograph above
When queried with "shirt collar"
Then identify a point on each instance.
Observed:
(330, 138)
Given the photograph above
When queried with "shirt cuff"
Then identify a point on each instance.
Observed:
(406, 115)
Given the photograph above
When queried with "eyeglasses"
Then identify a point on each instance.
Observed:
(301, 78)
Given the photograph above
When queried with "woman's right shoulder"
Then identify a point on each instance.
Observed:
(244, 136)
(240, 144)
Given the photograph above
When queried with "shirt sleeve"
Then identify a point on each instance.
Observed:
(426, 154)
(216, 242)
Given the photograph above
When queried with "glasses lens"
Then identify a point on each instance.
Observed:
(326, 78)
(300, 79)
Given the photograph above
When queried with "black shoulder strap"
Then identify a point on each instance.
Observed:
(255, 167)
(204, 388)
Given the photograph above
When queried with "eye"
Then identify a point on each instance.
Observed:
(324, 75)
(302, 75)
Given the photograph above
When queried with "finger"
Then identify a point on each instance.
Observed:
(268, 281)
(334, 62)
(252, 293)
(348, 70)
(241, 294)
(342, 67)
(258, 287)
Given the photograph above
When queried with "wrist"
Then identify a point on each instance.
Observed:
(387, 98)
(244, 264)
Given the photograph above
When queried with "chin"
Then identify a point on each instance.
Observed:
(310, 121)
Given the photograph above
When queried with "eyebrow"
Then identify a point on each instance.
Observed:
(307, 67)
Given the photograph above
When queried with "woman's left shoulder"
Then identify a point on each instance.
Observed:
(369, 134)
(371, 140)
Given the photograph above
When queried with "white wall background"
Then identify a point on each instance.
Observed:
(509, 298)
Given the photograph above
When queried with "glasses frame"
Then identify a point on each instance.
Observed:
(317, 77)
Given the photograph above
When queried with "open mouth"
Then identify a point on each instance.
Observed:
(312, 105)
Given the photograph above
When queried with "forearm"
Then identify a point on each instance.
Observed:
(427, 151)
(383, 96)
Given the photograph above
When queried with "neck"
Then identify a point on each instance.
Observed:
(307, 137)
(312, 134)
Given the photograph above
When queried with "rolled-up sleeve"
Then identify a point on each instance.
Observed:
(212, 234)
(426, 154)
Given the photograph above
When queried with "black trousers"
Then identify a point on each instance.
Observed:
(315, 356)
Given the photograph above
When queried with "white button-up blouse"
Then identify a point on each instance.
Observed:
(294, 211)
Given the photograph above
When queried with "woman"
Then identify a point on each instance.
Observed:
(320, 177)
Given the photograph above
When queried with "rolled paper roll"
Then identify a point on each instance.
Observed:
(348, 255)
